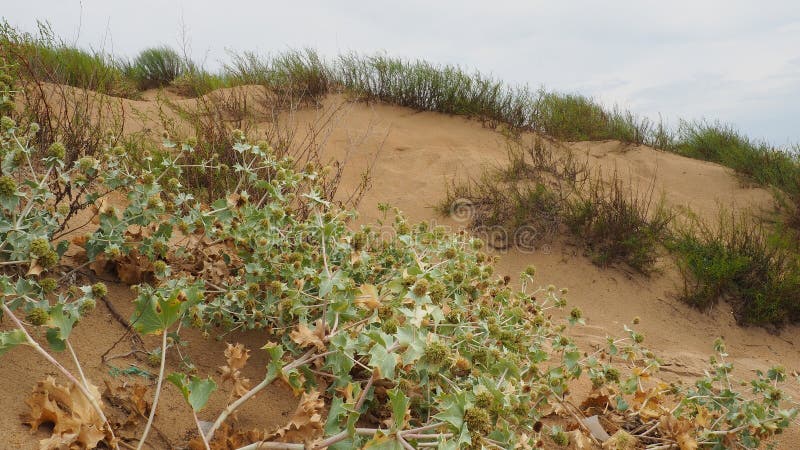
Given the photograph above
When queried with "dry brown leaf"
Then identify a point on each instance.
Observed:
(648, 404)
(75, 422)
(704, 417)
(304, 337)
(621, 440)
(236, 357)
(100, 265)
(579, 441)
(80, 241)
(306, 422)
(35, 269)
(368, 297)
(131, 407)
(679, 430)
(228, 438)
(598, 402)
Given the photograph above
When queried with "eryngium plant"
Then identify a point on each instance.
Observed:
(419, 342)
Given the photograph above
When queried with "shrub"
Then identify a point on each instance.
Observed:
(738, 260)
(156, 67)
(299, 75)
(618, 224)
(195, 82)
(539, 193)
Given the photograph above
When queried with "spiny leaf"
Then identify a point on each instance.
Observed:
(10, 339)
(195, 390)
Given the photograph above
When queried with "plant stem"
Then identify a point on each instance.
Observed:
(338, 437)
(200, 429)
(77, 364)
(247, 396)
(158, 391)
(84, 390)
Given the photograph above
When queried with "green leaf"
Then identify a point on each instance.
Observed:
(413, 339)
(453, 411)
(56, 343)
(399, 403)
(195, 390)
(62, 248)
(10, 339)
(61, 323)
(341, 412)
(383, 442)
(383, 361)
(157, 310)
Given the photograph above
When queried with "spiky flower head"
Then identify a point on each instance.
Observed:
(99, 290)
(8, 186)
(37, 316)
(57, 150)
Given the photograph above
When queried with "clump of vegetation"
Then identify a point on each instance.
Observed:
(155, 67)
(196, 82)
(300, 75)
(44, 69)
(44, 57)
(756, 160)
(424, 86)
(541, 193)
(616, 223)
(758, 271)
(574, 117)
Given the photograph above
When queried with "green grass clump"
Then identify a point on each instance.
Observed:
(156, 67)
(195, 82)
(428, 87)
(297, 74)
(740, 260)
(540, 193)
(45, 58)
(574, 117)
(724, 145)
(617, 224)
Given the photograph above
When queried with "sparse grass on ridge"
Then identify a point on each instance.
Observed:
(425, 86)
(300, 73)
(47, 58)
(724, 145)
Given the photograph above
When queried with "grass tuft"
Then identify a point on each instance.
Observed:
(44, 57)
(742, 261)
(301, 75)
(618, 224)
(541, 193)
(155, 67)
(724, 145)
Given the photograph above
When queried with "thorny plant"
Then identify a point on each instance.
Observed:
(406, 342)
(218, 119)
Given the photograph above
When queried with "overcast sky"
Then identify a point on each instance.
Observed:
(735, 61)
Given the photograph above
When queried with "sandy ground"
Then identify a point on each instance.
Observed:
(415, 155)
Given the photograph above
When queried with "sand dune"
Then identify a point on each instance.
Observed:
(415, 155)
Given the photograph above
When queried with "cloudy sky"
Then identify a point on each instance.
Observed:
(733, 61)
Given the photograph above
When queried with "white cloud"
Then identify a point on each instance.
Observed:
(732, 60)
